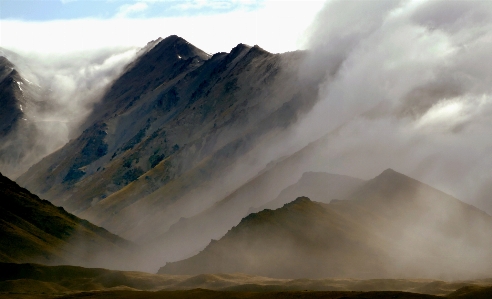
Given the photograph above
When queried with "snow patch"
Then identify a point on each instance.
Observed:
(20, 106)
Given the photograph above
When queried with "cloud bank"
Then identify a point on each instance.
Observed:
(408, 87)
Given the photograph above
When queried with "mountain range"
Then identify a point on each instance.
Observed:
(391, 226)
(178, 167)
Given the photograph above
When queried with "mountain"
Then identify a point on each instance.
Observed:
(34, 230)
(300, 240)
(18, 131)
(171, 126)
(183, 239)
(392, 226)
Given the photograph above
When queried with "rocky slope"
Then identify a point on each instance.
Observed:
(167, 129)
(392, 226)
(34, 230)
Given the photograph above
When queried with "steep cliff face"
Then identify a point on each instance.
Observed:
(18, 131)
(174, 122)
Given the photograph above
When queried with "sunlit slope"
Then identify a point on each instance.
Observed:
(34, 230)
(393, 226)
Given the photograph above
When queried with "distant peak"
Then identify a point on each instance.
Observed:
(389, 171)
(391, 174)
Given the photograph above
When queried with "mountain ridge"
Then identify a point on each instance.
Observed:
(398, 234)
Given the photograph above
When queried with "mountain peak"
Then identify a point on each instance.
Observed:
(390, 175)
(175, 45)
(391, 185)
(390, 171)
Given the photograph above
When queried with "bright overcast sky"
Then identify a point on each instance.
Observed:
(214, 26)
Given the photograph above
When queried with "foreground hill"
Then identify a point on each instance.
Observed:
(392, 226)
(34, 230)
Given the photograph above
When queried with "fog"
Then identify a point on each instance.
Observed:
(61, 89)
(408, 87)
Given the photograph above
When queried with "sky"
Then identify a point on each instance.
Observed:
(54, 26)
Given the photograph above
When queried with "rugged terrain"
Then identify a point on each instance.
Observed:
(176, 122)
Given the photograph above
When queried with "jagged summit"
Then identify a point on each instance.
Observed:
(239, 48)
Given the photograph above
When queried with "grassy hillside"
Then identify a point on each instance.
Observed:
(34, 230)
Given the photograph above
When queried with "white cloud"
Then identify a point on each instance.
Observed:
(275, 25)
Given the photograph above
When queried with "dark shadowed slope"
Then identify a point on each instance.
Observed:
(34, 230)
(393, 226)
